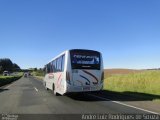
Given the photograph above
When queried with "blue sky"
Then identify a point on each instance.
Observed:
(127, 32)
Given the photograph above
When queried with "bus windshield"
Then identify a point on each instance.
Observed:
(85, 59)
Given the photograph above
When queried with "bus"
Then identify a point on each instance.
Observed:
(75, 70)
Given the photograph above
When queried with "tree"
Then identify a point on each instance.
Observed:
(6, 64)
(15, 67)
(0, 69)
(35, 69)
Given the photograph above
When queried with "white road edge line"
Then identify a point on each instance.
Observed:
(8, 86)
(125, 104)
(36, 89)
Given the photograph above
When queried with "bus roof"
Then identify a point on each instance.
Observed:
(84, 49)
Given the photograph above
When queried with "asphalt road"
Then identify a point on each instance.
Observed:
(28, 96)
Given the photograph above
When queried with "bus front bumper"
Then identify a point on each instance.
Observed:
(84, 88)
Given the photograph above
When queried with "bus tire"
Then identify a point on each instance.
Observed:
(45, 86)
(54, 91)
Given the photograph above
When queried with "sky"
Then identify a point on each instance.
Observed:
(126, 32)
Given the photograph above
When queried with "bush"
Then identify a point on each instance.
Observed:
(8, 79)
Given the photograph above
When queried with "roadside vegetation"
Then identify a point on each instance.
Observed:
(12, 70)
(38, 73)
(8, 79)
(146, 83)
(7, 65)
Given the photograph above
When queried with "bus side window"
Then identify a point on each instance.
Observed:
(59, 65)
(62, 67)
(48, 68)
(54, 66)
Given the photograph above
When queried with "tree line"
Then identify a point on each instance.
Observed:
(8, 65)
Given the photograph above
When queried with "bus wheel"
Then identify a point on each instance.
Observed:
(45, 86)
(54, 91)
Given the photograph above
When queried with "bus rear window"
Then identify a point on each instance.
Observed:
(85, 59)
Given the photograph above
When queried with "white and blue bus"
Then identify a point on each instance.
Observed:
(76, 70)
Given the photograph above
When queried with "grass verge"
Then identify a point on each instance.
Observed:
(39, 77)
(38, 74)
(8, 79)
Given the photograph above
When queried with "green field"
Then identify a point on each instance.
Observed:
(147, 82)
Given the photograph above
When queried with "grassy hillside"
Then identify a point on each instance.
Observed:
(141, 82)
